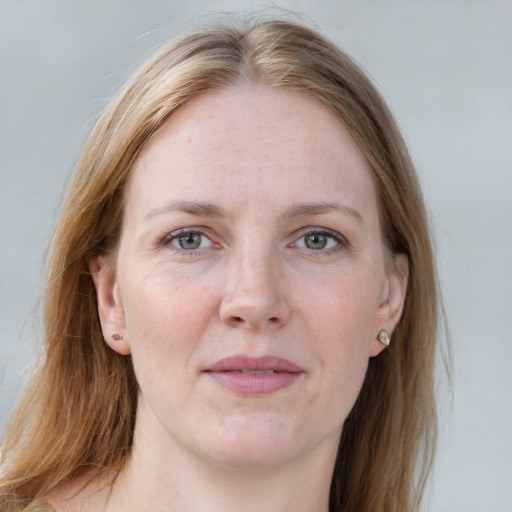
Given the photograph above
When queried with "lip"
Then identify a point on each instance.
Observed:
(244, 375)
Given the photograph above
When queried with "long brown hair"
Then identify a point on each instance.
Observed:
(77, 414)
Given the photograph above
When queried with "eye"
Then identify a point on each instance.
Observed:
(188, 240)
(317, 241)
(320, 240)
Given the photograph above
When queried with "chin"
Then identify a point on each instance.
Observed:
(261, 456)
(246, 443)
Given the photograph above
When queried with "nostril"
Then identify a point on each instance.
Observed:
(240, 320)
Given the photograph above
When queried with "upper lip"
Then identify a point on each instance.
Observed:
(246, 363)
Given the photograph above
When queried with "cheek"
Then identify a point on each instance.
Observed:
(166, 316)
(341, 322)
(344, 306)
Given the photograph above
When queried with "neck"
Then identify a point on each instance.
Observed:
(164, 477)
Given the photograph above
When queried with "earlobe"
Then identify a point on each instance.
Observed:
(110, 306)
(392, 303)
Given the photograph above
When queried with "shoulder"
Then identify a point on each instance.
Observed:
(84, 494)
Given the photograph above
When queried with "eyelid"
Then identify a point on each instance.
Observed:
(173, 235)
(342, 242)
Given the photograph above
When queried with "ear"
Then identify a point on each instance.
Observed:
(392, 301)
(110, 306)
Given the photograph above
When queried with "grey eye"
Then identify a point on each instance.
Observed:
(316, 241)
(189, 241)
(320, 241)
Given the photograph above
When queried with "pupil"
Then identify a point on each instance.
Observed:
(316, 241)
(190, 241)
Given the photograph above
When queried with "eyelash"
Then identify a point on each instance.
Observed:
(341, 241)
(182, 233)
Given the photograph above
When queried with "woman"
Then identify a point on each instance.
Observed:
(243, 238)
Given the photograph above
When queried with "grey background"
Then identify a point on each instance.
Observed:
(446, 70)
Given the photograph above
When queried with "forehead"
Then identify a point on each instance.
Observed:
(274, 145)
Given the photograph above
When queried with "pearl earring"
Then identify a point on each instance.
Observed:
(383, 337)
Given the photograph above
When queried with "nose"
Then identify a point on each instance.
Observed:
(254, 296)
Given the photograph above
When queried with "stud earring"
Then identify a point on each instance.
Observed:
(383, 337)
(117, 337)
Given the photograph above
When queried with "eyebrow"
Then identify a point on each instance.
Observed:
(190, 207)
(210, 210)
(307, 209)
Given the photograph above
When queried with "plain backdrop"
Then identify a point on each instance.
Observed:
(445, 67)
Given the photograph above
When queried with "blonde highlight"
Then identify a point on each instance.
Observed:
(77, 415)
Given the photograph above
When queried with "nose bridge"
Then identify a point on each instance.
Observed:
(255, 271)
(254, 294)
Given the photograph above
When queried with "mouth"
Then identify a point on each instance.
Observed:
(254, 376)
(257, 372)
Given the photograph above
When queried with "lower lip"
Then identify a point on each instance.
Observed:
(254, 384)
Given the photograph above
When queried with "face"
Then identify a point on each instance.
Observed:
(250, 282)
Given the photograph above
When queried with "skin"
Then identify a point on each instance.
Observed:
(260, 283)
